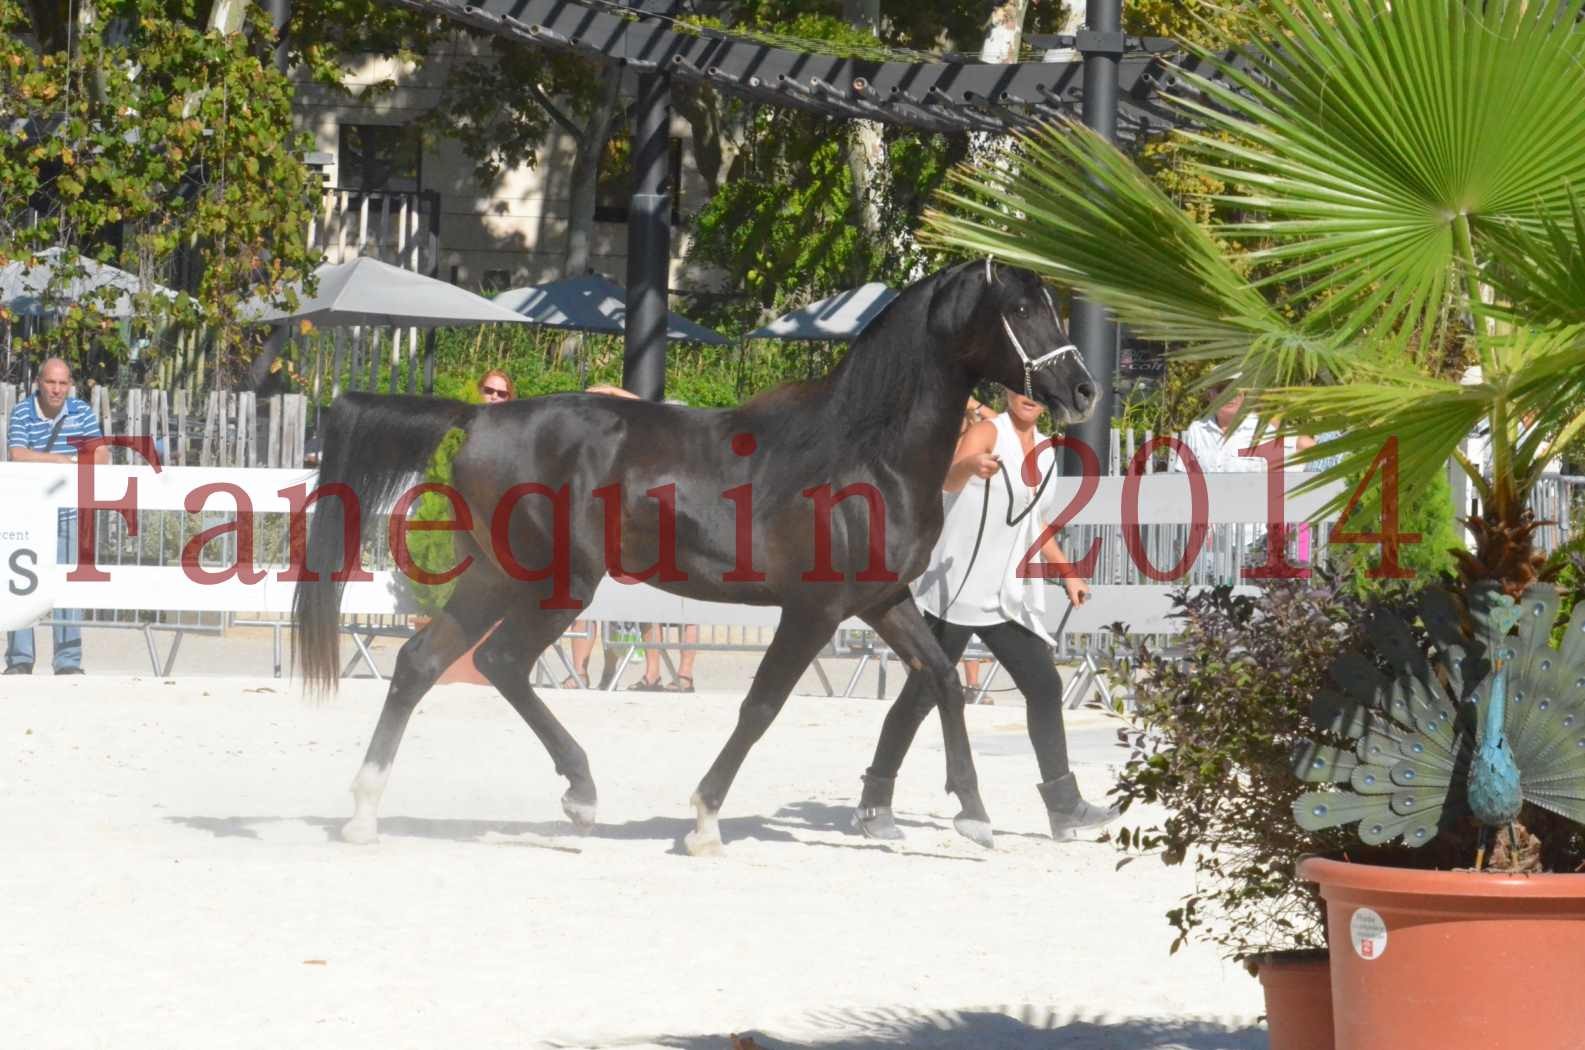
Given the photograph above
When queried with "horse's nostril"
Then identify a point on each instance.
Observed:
(1086, 392)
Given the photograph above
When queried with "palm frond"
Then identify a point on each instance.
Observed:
(1541, 273)
(1357, 133)
(1075, 209)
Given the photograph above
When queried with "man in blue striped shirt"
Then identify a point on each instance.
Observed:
(41, 430)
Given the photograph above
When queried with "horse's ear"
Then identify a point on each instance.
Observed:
(957, 297)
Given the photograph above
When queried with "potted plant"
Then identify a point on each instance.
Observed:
(1214, 726)
(1399, 205)
(1460, 731)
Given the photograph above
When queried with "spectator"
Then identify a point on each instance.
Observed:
(43, 429)
(496, 386)
(1216, 442)
(654, 633)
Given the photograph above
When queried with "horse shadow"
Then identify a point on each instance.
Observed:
(561, 835)
(1005, 1028)
(661, 829)
(550, 834)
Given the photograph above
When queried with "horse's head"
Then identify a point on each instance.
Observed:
(1004, 323)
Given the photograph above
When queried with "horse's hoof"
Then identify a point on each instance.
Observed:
(699, 845)
(876, 822)
(580, 813)
(360, 832)
(976, 831)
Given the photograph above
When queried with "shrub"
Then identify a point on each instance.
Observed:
(432, 550)
(1210, 743)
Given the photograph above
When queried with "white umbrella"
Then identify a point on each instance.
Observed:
(25, 289)
(367, 291)
(840, 317)
(592, 304)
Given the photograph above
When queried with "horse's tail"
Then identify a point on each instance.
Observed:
(370, 445)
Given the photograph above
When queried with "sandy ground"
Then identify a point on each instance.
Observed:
(172, 878)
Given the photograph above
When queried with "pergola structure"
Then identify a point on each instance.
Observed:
(1115, 89)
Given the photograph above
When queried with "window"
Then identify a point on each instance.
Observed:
(614, 183)
(496, 281)
(380, 157)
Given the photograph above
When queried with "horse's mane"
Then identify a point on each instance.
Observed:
(860, 410)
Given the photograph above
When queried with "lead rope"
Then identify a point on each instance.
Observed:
(1012, 522)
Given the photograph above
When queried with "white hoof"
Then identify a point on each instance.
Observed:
(699, 845)
(360, 832)
(580, 813)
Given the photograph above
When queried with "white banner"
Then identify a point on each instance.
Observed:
(29, 576)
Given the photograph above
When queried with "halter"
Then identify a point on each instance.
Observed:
(1046, 360)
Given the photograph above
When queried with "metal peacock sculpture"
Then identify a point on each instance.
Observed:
(1485, 722)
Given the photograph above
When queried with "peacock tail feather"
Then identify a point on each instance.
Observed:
(1413, 734)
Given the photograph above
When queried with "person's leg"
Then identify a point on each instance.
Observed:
(617, 635)
(19, 650)
(1027, 659)
(873, 817)
(651, 682)
(582, 648)
(971, 674)
(68, 655)
(683, 683)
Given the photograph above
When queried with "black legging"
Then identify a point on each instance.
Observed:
(1027, 659)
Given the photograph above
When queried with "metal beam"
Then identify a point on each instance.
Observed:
(932, 96)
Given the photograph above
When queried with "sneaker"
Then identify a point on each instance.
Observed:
(19, 669)
(71, 670)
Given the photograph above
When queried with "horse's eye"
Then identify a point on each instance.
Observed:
(1023, 310)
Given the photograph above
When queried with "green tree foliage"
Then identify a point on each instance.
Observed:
(432, 550)
(787, 224)
(158, 145)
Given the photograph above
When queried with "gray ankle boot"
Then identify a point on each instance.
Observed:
(1068, 811)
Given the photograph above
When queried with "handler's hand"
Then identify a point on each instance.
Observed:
(1078, 590)
(984, 464)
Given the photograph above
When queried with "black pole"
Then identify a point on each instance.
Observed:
(1101, 43)
(648, 240)
(280, 14)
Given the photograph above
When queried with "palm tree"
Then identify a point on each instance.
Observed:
(1401, 181)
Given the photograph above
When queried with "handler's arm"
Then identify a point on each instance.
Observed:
(973, 457)
(1072, 578)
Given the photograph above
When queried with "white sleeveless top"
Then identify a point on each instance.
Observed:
(993, 593)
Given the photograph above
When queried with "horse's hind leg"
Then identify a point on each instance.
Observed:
(903, 627)
(797, 642)
(507, 660)
(421, 660)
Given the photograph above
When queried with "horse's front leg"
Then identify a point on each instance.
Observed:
(798, 640)
(933, 681)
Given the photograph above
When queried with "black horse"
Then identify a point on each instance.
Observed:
(823, 498)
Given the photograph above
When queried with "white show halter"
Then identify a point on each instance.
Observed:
(1033, 365)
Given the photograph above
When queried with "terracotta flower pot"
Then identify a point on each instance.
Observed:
(1450, 959)
(1298, 987)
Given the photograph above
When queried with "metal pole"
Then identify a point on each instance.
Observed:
(280, 14)
(648, 240)
(1101, 43)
